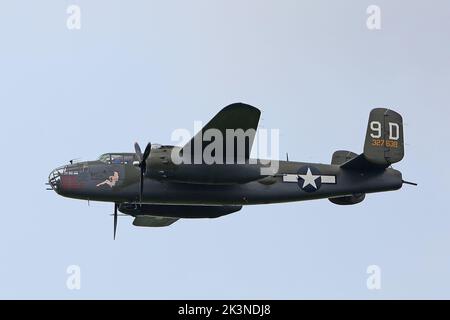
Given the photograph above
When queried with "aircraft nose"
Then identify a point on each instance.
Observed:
(67, 179)
(54, 179)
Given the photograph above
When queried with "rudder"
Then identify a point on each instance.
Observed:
(384, 137)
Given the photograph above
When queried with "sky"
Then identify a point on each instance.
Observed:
(137, 70)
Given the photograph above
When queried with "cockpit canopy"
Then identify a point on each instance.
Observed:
(123, 158)
(118, 158)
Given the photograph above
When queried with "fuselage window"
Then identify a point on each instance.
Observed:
(128, 159)
(116, 159)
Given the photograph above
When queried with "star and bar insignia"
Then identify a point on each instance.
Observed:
(309, 178)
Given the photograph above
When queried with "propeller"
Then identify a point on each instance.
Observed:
(142, 164)
(115, 220)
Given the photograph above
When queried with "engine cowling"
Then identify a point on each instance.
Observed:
(348, 200)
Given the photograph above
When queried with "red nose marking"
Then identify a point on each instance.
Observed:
(70, 182)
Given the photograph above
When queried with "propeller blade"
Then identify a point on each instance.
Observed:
(115, 220)
(142, 165)
(147, 150)
(138, 151)
(142, 185)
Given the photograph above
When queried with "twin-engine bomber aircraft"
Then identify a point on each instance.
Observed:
(157, 189)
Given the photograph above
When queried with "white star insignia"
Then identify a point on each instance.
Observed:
(309, 179)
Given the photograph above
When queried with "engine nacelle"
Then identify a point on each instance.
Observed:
(348, 200)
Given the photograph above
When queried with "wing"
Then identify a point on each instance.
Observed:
(151, 221)
(235, 116)
(155, 212)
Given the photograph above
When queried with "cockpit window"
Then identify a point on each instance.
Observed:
(117, 159)
(111, 158)
(128, 159)
(106, 158)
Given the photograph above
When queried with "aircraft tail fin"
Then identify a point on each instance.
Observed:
(384, 141)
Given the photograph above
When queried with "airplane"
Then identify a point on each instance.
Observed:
(162, 184)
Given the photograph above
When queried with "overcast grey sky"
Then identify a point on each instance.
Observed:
(137, 70)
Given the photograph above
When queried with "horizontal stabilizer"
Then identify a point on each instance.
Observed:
(362, 164)
(342, 156)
